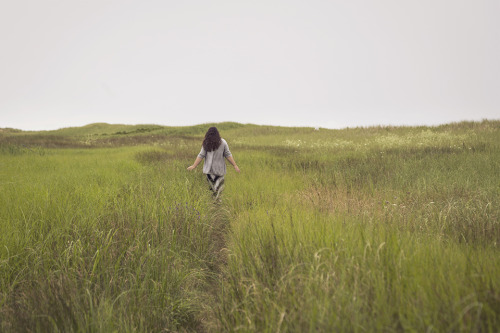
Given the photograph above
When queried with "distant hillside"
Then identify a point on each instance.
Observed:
(108, 135)
(121, 129)
(103, 129)
(103, 134)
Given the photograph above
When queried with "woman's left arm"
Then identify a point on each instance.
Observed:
(199, 158)
(195, 164)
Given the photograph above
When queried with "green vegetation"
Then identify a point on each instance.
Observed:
(362, 229)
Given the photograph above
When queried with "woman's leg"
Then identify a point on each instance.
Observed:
(216, 184)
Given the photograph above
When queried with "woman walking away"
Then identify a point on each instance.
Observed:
(214, 150)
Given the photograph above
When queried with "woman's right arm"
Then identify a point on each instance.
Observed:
(231, 160)
(229, 156)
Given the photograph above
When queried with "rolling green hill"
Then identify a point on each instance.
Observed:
(374, 229)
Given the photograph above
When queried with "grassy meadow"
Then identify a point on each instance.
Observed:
(102, 229)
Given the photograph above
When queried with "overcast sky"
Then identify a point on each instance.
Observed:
(291, 63)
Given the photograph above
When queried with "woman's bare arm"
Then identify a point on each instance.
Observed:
(231, 160)
(195, 164)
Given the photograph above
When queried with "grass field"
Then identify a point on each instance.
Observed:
(388, 229)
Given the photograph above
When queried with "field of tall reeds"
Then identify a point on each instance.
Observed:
(103, 229)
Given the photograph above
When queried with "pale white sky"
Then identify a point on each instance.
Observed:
(292, 63)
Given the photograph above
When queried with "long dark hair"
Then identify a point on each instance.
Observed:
(212, 139)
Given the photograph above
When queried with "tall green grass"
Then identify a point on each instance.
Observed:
(92, 240)
(361, 229)
(384, 232)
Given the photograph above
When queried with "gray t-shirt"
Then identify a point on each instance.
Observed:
(214, 160)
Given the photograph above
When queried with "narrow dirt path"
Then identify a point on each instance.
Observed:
(219, 219)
